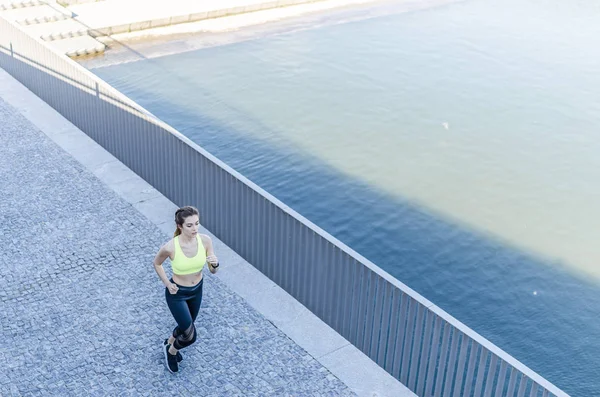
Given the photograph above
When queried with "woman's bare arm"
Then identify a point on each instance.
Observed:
(211, 258)
(165, 252)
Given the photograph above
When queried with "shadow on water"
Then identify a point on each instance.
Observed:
(535, 310)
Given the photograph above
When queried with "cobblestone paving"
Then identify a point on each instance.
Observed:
(83, 312)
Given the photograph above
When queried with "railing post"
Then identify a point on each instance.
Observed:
(12, 54)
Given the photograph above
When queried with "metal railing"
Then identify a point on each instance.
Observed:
(418, 343)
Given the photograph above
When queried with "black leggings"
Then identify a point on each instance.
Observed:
(184, 306)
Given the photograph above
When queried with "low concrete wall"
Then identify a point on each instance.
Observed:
(71, 2)
(192, 16)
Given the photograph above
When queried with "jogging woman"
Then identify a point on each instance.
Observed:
(188, 251)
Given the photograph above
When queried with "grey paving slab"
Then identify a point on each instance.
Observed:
(343, 360)
(83, 312)
(113, 172)
(135, 190)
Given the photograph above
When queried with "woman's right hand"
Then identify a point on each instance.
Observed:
(173, 288)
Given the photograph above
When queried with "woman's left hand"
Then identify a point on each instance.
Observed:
(213, 263)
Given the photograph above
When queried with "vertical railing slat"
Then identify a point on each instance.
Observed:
(534, 390)
(362, 309)
(357, 270)
(522, 386)
(385, 324)
(392, 335)
(491, 376)
(377, 317)
(337, 299)
(329, 282)
(401, 330)
(470, 373)
(408, 339)
(347, 277)
(370, 308)
(501, 379)
(416, 349)
(433, 357)
(441, 371)
(460, 369)
(456, 338)
(422, 374)
(512, 381)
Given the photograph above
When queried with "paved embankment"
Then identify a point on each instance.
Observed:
(83, 312)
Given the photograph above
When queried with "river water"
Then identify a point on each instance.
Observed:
(455, 146)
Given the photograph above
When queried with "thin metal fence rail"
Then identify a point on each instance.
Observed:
(418, 343)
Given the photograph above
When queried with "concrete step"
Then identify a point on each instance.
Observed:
(73, 2)
(78, 46)
(57, 30)
(12, 4)
(37, 14)
(110, 17)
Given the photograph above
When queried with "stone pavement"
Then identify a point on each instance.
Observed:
(83, 312)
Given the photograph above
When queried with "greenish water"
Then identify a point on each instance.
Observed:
(457, 147)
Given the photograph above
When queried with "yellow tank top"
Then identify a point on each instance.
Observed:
(182, 265)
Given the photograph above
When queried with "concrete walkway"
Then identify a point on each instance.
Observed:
(83, 312)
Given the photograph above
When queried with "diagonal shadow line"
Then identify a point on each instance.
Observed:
(81, 85)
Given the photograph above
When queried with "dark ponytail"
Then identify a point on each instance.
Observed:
(180, 216)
